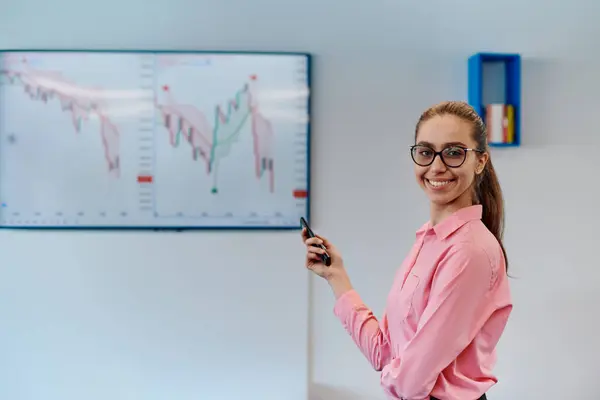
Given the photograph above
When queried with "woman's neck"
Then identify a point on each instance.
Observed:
(439, 212)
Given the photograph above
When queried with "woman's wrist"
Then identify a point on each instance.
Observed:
(339, 282)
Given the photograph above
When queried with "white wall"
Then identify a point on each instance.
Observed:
(378, 64)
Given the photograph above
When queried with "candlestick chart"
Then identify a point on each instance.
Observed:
(80, 105)
(212, 143)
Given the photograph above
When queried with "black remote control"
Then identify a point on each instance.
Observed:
(324, 257)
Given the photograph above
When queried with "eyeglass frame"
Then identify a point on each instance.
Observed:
(439, 153)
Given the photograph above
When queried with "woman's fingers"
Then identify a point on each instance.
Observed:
(309, 241)
(313, 241)
(314, 256)
(304, 234)
(315, 250)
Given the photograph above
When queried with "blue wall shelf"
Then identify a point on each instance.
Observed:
(495, 78)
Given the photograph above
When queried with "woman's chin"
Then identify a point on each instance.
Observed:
(439, 199)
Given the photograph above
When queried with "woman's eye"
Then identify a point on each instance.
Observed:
(454, 152)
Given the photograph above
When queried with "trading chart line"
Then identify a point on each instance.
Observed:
(80, 103)
(213, 143)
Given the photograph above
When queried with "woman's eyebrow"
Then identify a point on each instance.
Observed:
(423, 143)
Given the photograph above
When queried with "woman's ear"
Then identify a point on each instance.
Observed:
(482, 161)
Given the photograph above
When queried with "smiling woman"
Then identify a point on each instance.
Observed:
(450, 301)
(458, 130)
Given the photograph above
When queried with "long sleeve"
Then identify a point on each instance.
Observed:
(363, 327)
(453, 316)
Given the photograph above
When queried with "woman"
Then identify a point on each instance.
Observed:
(450, 300)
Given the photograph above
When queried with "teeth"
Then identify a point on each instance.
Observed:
(438, 183)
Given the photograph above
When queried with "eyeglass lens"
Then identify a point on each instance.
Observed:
(452, 156)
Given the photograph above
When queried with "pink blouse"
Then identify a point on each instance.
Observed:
(448, 306)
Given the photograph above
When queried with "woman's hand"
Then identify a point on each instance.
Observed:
(335, 274)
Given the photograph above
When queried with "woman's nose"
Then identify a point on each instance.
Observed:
(438, 164)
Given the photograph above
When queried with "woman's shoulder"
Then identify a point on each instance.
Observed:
(475, 236)
(475, 242)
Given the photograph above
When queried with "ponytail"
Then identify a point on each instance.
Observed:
(489, 195)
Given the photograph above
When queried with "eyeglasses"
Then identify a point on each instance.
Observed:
(452, 156)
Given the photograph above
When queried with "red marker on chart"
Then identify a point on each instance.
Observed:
(145, 179)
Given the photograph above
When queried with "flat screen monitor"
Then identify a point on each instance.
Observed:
(154, 139)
